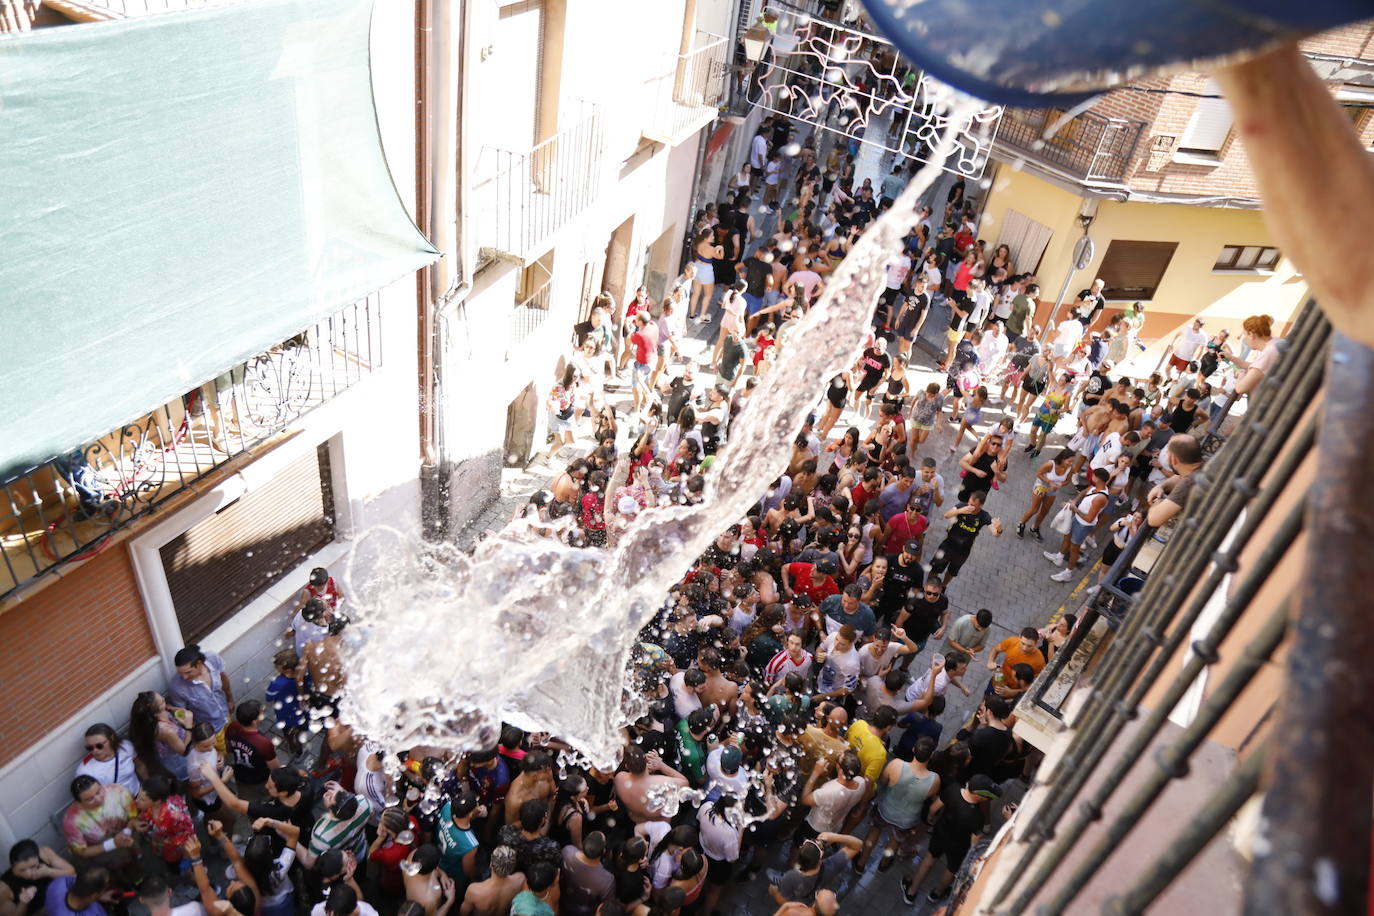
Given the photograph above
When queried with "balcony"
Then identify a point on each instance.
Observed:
(686, 95)
(530, 312)
(524, 197)
(1089, 148)
(70, 507)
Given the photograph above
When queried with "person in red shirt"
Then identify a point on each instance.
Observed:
(397, 835)
(593, 519)
(872, 483)
(645, 340)
(908, 527)
(814, 580)
(251, 753)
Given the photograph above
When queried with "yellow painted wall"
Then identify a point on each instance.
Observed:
(1189, 286)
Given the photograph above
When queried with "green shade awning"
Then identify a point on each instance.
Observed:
(178, 193)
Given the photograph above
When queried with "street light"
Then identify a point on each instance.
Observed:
(756, 39)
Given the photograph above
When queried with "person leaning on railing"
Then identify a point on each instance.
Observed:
(1170, 497)
(1257, 334)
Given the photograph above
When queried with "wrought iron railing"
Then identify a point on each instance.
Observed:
(530, 313)
(69, 507)
(686, 95)
(1236, 495)
(525, 196)
(1089, 146)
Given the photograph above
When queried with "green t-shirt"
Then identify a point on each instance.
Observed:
(454, 843)
(691, 756)
(527, 904)
(762, 650)
(1020, 309)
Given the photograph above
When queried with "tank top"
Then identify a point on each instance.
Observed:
(900, 804)
(1057, 479)
(18, 884)
(838, 393)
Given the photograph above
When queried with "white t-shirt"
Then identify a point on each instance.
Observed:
(758, 152)
(719, 839)
(306, 633)
(921, 684)
(1069, 332)
(869, 664)
(833, 801)
(990, 351)
(1108, 450)
(841, 669)
(736, 784)
(194, 758)
(118, 769)
(364, 909)
(897, 271)
(1188, 342)
(684, 700)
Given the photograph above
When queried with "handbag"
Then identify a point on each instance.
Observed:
(1063, 519)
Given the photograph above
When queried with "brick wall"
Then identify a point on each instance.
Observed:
(67, 645)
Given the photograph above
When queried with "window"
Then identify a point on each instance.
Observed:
(1207, 129)
(1247, 257)
(1132, 270)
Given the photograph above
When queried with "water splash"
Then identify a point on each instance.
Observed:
(533, 632)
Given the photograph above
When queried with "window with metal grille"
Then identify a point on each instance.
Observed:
(1133, 270)
(221, 564)
(1247, 257)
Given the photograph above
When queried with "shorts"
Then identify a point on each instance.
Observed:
(1110, 554)
(1032, 385)
(718, 873)
(642, 371)
(927, 427)
(973, 415)
(1080, 531)
(664, 348)
(323, 706)
(1039, 489)
(772, 297)
(1059, 351)
(706, 272)
(954, 855)
(1089, 445)
(559, 425)
(954, 336)
(804, 832)
(1176, 363)
(752, 303)
(1046, 425)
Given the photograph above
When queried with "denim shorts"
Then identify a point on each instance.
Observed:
(1080, 531)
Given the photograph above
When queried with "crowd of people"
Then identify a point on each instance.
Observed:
(791, 729)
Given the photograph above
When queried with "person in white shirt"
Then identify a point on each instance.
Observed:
(991, 349)
(982, 303)
(109, 759)
(1190, 341)
(1067, 335)
(758, 154)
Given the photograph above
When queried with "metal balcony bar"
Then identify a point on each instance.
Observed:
(1227, 488)
(689, 93)
(530, 313)
(67, 508)
(1316, 858)
(1089, 147)
(525, 196)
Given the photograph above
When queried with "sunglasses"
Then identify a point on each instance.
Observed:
(935, 594)
(97, 746)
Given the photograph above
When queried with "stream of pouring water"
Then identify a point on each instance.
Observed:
(532, 632)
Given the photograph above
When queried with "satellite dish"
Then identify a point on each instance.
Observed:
(1083, 252)
(1043, 53)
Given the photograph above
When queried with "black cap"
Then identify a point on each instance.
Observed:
(826, 566)
(984, 786)
(913, 547)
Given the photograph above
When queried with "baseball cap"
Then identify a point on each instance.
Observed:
(984, 787)
(627, 505)
(826, 567)
(913, 547)
(730, 760)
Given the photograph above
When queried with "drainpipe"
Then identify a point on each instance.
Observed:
(436, 127)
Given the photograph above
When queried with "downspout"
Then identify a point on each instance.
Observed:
(436, 126)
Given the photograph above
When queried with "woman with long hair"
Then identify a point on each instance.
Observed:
(706, 251)
(570, 809)
(159, 736)
(562, 407)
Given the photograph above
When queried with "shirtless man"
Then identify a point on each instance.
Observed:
(718, 689)
(324, 661)
(428, 886)
(1095, 422)
(492, 897)
(534, 782)
(639, 774)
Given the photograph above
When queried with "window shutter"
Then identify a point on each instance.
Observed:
(1210, 124)
(1132, 270)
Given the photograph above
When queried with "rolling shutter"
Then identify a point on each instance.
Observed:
(1132, 270)
(226, 561)
(1210, 124)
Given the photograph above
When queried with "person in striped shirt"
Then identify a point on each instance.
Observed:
(341, 826)
(792, 658)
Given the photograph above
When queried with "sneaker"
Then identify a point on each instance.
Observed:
(1091, 589)
(1028, 449)
(887, 861)
(907, 895)
(1038, 535)
(1055, 557)
(1064, 575)
(1021, 530)
(1090, 542)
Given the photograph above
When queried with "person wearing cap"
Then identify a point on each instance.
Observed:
(455, 837)
(814, 580)
(872, 368)
(725, 773)
(956, 818)
(1091, 302)
(906, 529)
(846, 608)
(904, 578)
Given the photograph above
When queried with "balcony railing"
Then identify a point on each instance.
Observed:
(1243, 522)
(687, 95)
(69, 507)
(529, 314)
(523, 197)
(1088, 147)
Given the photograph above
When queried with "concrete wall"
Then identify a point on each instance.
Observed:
(1189, 287)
